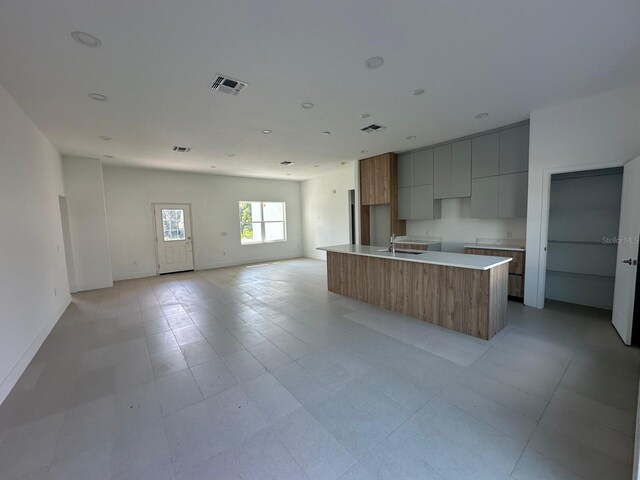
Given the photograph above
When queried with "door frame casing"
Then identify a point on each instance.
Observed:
(544, 220)
(155, 231)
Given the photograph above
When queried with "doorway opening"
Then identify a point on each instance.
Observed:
(584, 218)
(352, 217)
(173, 237)
(66, 238)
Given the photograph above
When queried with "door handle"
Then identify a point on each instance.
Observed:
(631, 261)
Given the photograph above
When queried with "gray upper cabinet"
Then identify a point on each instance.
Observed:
(513, 195)
(484, 197)
(500, 196)
(442, 171)
(405, 170)
(514, 150)
(425, 207)
(423, 167)
(417, 203)
(461, 169)
(485, 155)
(405, 203)
(491, 168)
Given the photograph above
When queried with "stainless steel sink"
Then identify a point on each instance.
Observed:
(409, 252)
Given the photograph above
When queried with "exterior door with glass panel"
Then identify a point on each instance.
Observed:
(173, 238)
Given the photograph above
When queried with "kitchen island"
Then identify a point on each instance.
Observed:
(466, 293)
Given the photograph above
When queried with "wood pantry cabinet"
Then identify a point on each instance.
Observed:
(375, 180)
(379, 186)
(516, 266)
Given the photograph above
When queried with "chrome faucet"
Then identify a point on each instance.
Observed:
(392, 248)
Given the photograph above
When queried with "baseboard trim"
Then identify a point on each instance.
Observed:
(236, 263)
(315, 256)
(92, 286)
(133, 276)
(10, 380)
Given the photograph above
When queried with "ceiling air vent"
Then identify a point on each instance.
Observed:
(286, 163)
(179, 149)
(224, 84)
(372, 128)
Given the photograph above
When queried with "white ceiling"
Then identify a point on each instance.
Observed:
(505, 57)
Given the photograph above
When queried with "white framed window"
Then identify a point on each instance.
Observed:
(262, 222)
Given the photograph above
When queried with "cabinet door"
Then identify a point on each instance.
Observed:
(382, 180)
(423, 161)
(485, 197)
(405, 203)
(513, 195)
(366, 182)
(514, 150)
(442, 171)
(406, 170)
(461, 169)
(485, 155)
(425, 207)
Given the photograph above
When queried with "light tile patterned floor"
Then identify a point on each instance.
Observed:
(260, 373)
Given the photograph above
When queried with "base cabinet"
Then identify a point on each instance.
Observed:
(516, 267)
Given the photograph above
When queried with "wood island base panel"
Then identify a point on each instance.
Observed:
(466, 300)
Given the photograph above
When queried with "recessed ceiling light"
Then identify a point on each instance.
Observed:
(364, 151)
(316, 166)
(266, 131)
(98, 97)
(286, 163)
(418, 91)
(307, 105)
(108, 156)
(326, 133)
(482, 115)
(364, 115)
(231, 155)
(105, 138)
(86, 39)
(374, 62)
(411, 137)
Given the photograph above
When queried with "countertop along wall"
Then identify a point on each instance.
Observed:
(34, 290)
(594, 132)
(130, 193)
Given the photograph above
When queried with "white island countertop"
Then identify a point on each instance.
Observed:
(461, 260)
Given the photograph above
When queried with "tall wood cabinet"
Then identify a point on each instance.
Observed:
(379, 186)
(375, 179)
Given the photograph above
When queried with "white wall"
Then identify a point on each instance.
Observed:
(325, 210)
(593, 132)
(33, 282)
(130, 193)
(89, 240)
(457, 228)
